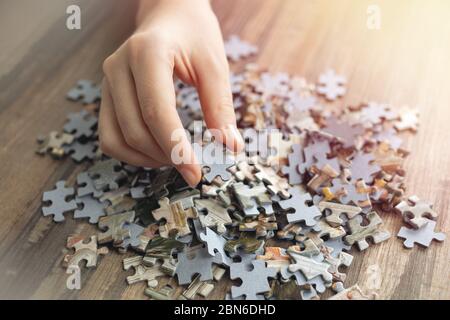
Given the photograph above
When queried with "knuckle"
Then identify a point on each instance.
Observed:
(108, 65)
(106, 145)
(136, 43)
(154, 43)
(150, 114)
(135, 138)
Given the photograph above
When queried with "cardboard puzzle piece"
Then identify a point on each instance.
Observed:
(359, 234)
(331, 85)
(86, 186)
(276, 184)
(118, 201)
(291, 170)
(107, 174)
(243, 171)
(245, 242)
(134, 240)
(282, 147)
(261, 225)
(302, 211)
(340, 260)
(58, 201)
(289, 231)
(236, 49)
(416, 212)
(422, 236)
(215, 243)
(409, 120)
(216, 214)
(363, 167)
(254, 281)
(91, 208)
(80, 152)
(88, 252)
(142, 272)
(81, 124)
(202, 288)
(86, 91)
(252, 197)
(275, 257)
(114, 227)
(175, 216)
(308, 266)
(344, 132)
(54, 144)
(196, 260)
(333, 212)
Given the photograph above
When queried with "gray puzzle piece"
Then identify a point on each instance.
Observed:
(86, 186)
(81, 151)
(422, 236)
(58, 203)
(85, 90)
(92, 209)
(291, 170)
(302, 211)
(134, 240)
(81, 124)
(107, 174)
(254, 281)
(195, 261)
(363, 168)
(215, 244)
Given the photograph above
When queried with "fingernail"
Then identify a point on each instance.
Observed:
(189, 176)
(233, 138)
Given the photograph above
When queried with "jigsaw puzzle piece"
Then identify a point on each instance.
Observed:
(58, 201)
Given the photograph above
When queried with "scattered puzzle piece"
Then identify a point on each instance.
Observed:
(422, 236)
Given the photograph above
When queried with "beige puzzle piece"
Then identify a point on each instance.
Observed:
(175, 216)
(114, 226)
(83, 251)
(335, 210)
(415, 212)
(359, 233)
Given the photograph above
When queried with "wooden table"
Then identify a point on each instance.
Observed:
(405, 62)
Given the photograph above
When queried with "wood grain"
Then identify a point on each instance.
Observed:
(404, 63)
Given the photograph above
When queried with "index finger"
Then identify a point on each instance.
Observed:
(153, 74)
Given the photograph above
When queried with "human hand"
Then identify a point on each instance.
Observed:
(138, 109)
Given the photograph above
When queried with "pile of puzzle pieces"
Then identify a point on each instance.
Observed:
(282, 216)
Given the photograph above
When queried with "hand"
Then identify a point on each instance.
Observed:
(138, 110)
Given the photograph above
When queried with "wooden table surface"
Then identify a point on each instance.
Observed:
(406, 62)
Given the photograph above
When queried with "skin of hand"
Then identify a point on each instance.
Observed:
(138, 109)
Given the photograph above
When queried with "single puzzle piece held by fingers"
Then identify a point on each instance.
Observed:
(83, 251)
(416, 212)
(58, 203)
(422, 236)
